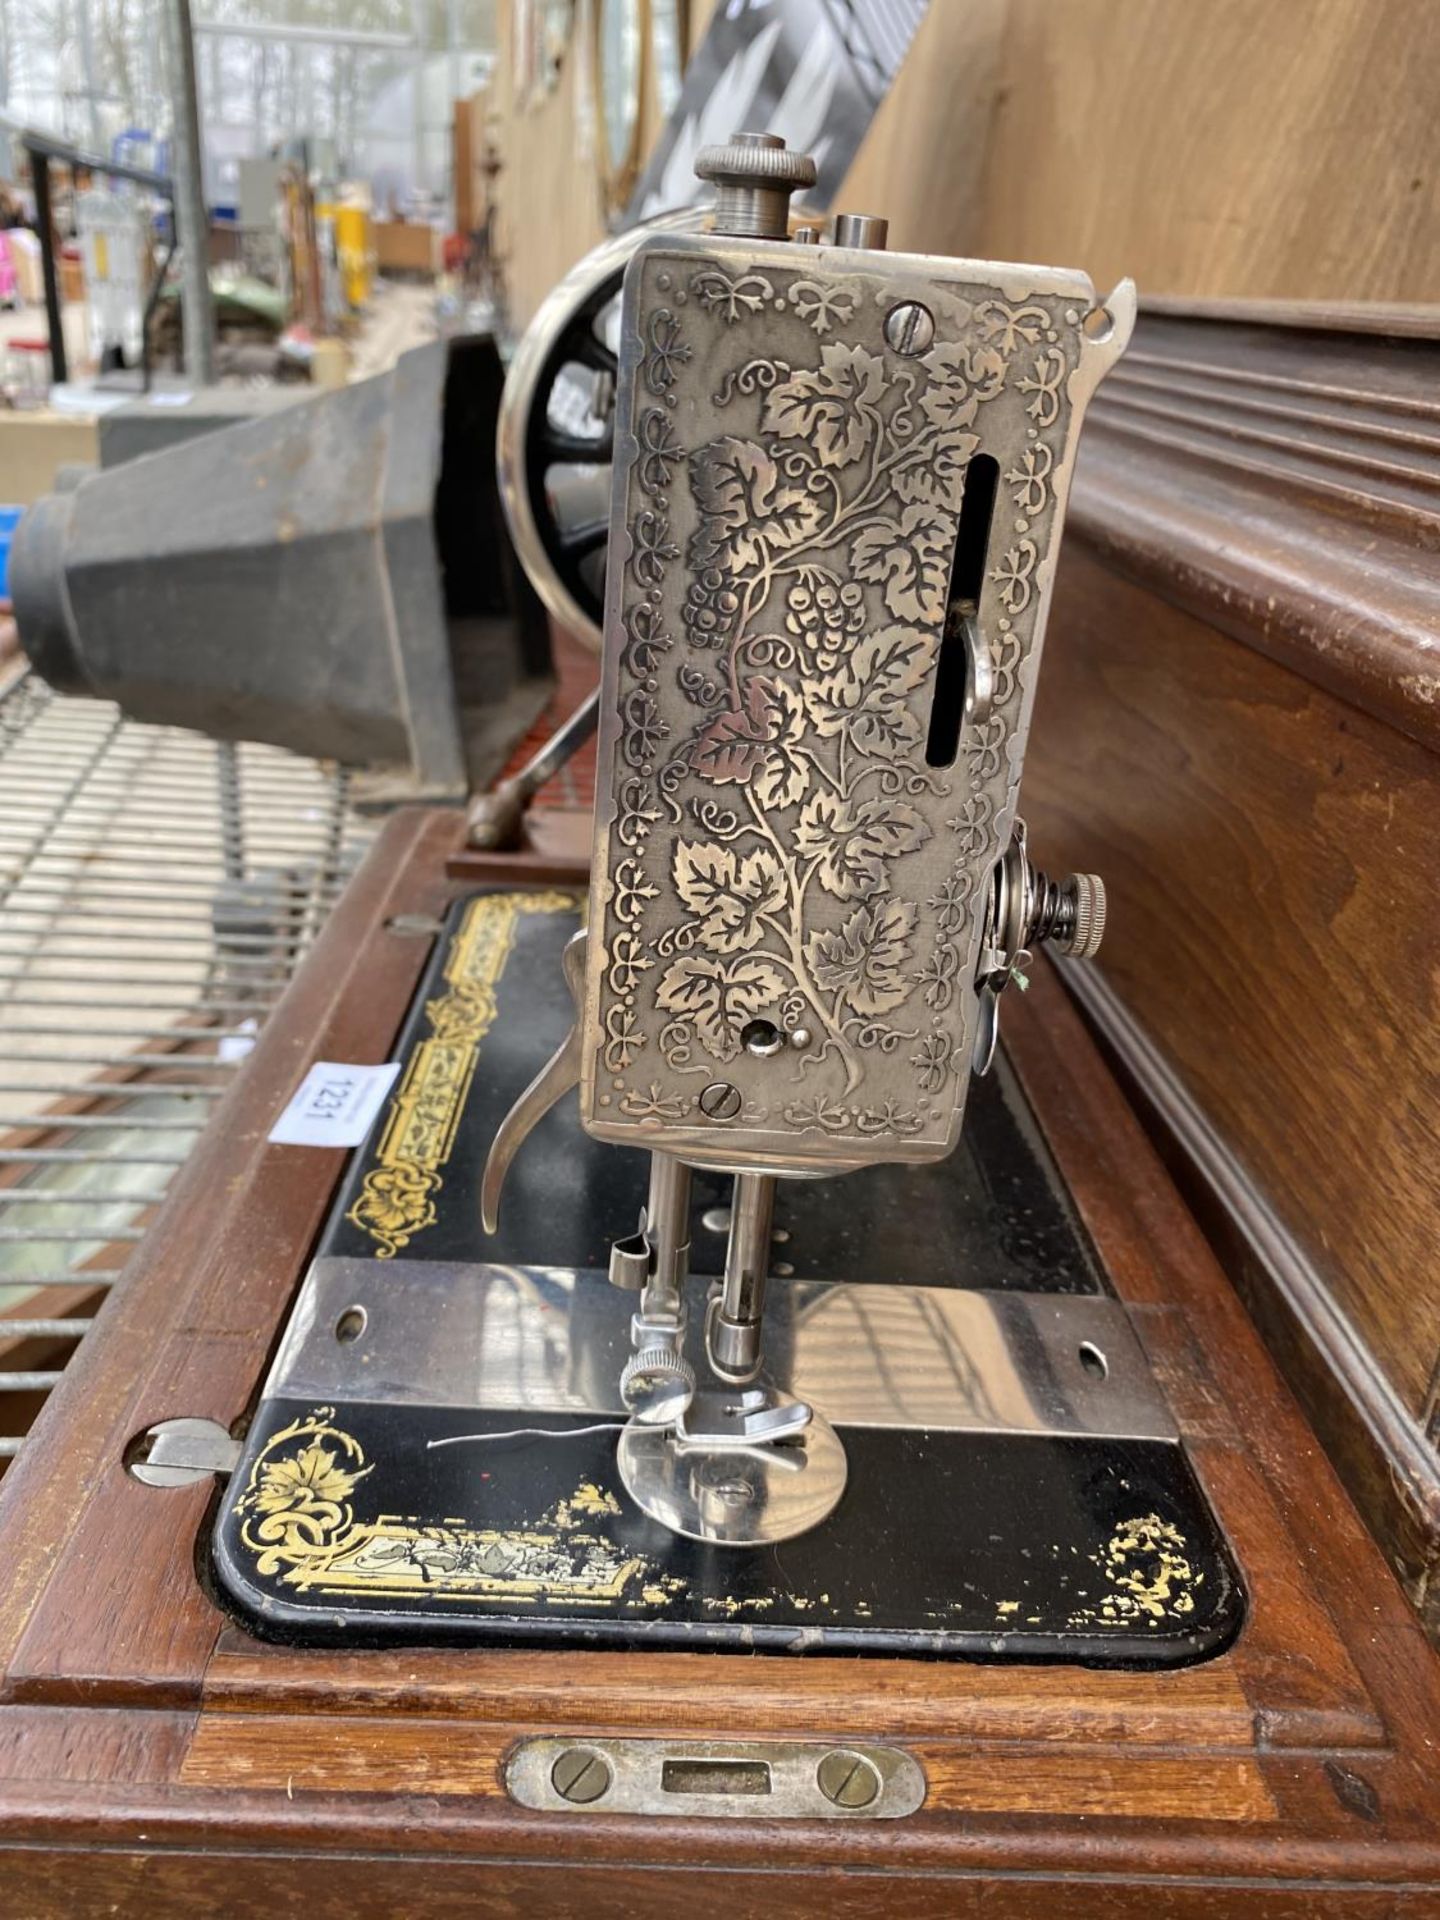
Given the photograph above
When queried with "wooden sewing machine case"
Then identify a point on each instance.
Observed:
(150, 1749)
(1202, 744)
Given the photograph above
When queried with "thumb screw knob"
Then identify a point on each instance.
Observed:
(1087, 928)
(754, 175)
(657, 1386)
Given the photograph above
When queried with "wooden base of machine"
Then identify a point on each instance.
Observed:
(154, 1758)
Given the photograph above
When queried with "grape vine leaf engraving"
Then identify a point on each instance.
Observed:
(717, 997)
(864, 960)
(852, 845)
(728, 892)
(908, 555)
(818, 532)
(832, 407)
(747, 510)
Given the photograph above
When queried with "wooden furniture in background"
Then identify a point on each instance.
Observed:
(1245, 149)
(406, 246)
(467, 137)
(1257, 149)
(34, 446)
(1238, 724)
(549, 199)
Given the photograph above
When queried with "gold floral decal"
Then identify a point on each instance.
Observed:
(397, 1200)
(297, 1519)
(1147, 1564)
(295, 1510)
(1149, 1576)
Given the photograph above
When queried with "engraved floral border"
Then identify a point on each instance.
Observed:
(754, 850)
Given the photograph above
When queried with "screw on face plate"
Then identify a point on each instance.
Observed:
(720, 1101)
(909, 328)
(847, 1779)
(581, 1775)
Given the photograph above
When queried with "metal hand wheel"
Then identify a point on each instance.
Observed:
(556, 436)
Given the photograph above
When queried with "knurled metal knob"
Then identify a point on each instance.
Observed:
(754, 175)
(657, 1385)
(1087, 928)
(1067, 914)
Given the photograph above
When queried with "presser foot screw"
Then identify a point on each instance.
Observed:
(847, 1779)
(909, 328)
(581, 1775)
(657, 1385)
(720, 1101)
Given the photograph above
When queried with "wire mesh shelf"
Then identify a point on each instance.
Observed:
(157, 891)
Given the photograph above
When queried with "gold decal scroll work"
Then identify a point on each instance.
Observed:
(297, 1519)
(397, 1200)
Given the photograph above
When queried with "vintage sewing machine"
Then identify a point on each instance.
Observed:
(406, 1536)
(840, 477)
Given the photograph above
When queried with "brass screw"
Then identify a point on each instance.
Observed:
(581, 1775)
(909, 328)
(720, 1101)
(847, 1779)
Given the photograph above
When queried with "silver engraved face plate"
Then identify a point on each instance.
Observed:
(797, 812)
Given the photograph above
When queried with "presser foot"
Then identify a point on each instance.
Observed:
(736, 1469)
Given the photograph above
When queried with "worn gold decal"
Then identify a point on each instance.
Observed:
(397, 1200)
(296, 1517)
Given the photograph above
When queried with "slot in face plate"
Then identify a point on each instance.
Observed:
(777, 860)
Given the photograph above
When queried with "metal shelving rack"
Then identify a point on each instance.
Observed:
(157, 891)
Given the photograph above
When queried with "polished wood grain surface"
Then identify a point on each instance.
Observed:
(329, 1753)
(1270, 854)
(1290, 1769)
(1243, 149)
(1270, 982)
(1282, 482)
(79, 1602)
(1206, 1705)
(1270, 149)
(254, 1885)
(1238, 725)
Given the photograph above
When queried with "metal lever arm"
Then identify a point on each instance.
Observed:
(557, 1076)
(495, 818)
